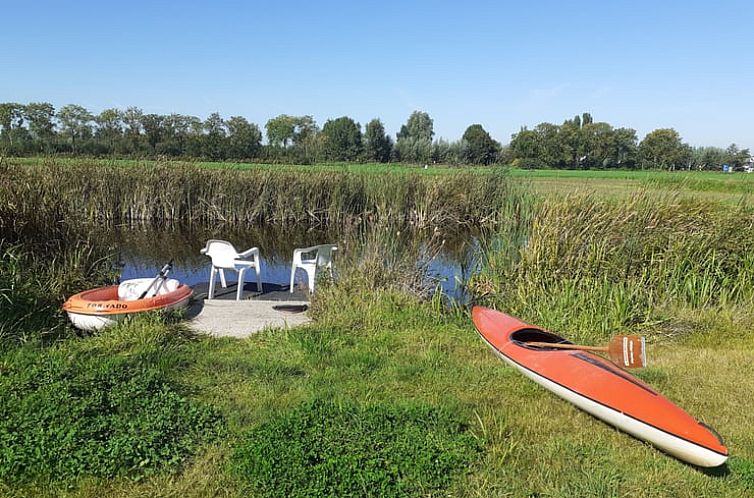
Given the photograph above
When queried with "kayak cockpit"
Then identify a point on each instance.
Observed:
(524, 336)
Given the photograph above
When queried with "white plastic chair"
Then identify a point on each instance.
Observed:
(225, 257)
(310, 259)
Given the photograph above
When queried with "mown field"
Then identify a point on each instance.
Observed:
(715, 185)
(389, 392)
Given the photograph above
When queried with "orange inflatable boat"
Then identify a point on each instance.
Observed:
(97, 308)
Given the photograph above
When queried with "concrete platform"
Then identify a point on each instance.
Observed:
(223, 316)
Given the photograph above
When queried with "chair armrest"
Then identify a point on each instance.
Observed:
(301, 250)
(249, 252)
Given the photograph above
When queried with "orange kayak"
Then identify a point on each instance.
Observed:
(97, 308)
(601, 389)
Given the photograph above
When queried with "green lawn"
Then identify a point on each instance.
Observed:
(714, 185)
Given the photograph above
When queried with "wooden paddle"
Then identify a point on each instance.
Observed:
(627, 351)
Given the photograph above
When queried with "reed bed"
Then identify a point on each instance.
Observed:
(593, 266)
(43, 260)
(35, 283)
(165, 192)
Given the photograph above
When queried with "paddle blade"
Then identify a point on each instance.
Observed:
(628, 351)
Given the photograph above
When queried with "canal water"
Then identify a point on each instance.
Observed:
(448, 259)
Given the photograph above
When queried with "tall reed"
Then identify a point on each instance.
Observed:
(164, 192)
(44, 258)
(593, 266)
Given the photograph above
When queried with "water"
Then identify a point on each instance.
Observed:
(143, 250)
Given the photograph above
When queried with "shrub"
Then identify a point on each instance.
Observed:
(327, 449)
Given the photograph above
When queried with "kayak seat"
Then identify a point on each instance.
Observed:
(225, 257)
(523, 336)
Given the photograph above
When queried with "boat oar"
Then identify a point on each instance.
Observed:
(627, 351)
(160, 277)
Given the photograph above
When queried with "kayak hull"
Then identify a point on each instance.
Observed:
(96, 309)
(601, 389)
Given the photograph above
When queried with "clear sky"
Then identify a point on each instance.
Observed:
(640, 64)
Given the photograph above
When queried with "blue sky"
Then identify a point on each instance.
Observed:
(640, 64)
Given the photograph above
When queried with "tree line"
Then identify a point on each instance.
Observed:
(581, 143)
(38, 128)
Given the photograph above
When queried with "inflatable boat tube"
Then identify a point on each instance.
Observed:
(98, 308)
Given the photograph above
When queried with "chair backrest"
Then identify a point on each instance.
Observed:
(222, 253)
(324, 254)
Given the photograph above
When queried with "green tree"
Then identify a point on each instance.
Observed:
(444, 152)
(244, 138)
(419, 126)
(378, 146)
(195, 137)
(707, 158)
(549, 147)
(132, 119)
(415, 138)
(342, 139)
(598, 144)
(663, 149)
(76, 123)
(109, 127)
(11, 121)
(152, 124)
(280, 130)
(307, 140)
(623, 148)
(736, 157)
(305, 129)
(480, 148)
(214, 139)
(41, 116)
(525, 149)
(572, 143)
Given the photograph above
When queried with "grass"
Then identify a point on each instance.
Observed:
(677, 270)
(329, 449)
(332, 167)
(70, 413)
(402, 353)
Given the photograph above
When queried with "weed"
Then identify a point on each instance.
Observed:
(69, 414)
(328, 449)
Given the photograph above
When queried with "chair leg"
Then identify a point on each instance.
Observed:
(259, 279)
(212, 277)
(222, 278)
(293, 274)
(239, 292)
(311, 272)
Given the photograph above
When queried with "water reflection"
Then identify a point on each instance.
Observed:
(141, 250)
